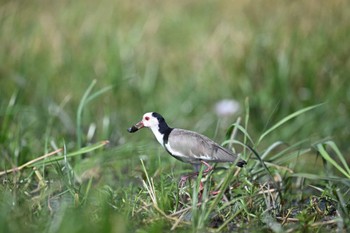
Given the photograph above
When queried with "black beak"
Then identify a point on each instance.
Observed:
(136, 127)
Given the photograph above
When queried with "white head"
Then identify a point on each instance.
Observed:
(149, 120)
(155, 122)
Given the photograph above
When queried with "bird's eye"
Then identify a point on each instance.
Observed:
(146, 118)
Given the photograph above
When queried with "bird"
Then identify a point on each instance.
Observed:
(185, 145)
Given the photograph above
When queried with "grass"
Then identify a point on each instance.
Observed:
(76, 74)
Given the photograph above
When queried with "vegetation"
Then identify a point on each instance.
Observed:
(76, 74)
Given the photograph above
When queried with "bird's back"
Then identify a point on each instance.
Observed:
(192, 147)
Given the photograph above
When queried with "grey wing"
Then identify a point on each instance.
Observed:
(198, 147)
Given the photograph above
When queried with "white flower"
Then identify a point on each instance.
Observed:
(227, 107)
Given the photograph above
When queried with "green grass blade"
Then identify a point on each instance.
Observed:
(288, 156)
(328, 158)
(223, 187)
(243, 130)
(286, 119)
(271, 148)
(339, 154)
(246, 120)
(282, 153)
(85, 100)
(83, 150)
(98, 93)
(80, 111)
(310, 176)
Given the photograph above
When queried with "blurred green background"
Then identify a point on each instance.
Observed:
(178, 58)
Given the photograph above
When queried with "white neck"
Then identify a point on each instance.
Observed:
(157, 134)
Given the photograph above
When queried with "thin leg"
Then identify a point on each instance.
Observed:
(182, 181)
(209, 168)
(184, 178)
(215, 192)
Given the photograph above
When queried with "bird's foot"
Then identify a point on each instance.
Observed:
(215, 192)
(183, 181)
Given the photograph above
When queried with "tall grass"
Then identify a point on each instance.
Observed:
(178, 58)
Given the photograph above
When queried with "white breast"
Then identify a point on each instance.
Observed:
(157, 134)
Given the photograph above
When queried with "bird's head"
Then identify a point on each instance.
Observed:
(150, 120)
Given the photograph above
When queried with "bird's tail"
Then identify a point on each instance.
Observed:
(241, 163)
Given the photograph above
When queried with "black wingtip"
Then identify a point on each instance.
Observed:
(241, 163)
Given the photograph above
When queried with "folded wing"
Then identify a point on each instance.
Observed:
(193, 147)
